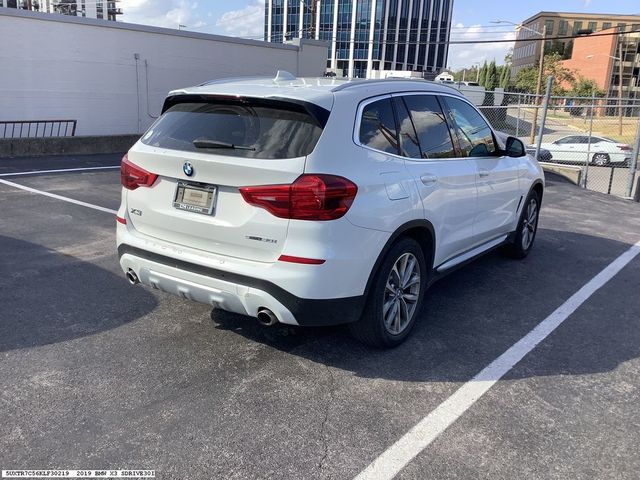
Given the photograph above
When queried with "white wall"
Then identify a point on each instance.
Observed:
(57, 67)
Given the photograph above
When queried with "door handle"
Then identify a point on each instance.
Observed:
(428, 179)
(483, 173)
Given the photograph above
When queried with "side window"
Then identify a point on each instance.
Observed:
(476, 138)
(431, 127)
(378, 127)
(566, 140)
(409, 146)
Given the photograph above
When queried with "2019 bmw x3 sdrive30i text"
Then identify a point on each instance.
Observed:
(321, 201)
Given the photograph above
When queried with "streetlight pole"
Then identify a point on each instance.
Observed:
(534, 122)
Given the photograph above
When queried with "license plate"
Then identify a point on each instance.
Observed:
(195, 198)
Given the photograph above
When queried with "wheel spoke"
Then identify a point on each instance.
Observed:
(414, 280)
(410, 297)
(396, 318)
(387, 305)
(411, 264)
(403, 313)
(390, 318)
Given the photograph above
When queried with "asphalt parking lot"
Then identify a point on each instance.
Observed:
(96, 373)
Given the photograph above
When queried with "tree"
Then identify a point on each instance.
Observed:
(508, 57)
(505, 76)
(585, 87)
(483, 74)
(491, 79)
(527, 78)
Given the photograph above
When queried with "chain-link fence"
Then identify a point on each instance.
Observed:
(597, 136)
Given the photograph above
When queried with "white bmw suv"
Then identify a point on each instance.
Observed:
(321, 201)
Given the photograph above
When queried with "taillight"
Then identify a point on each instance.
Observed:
(310, 197)
(132, 176)
(624, 148)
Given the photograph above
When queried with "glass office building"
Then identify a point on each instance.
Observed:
(365, 35)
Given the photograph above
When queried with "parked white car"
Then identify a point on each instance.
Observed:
(321, 201)
(601, 152)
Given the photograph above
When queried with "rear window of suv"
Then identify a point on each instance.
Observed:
(238, 129)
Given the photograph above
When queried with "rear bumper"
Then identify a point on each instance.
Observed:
(235, 292)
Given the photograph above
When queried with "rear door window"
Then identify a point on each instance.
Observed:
(238, 129)
(431, 128)
(378, 127)
(409, 144)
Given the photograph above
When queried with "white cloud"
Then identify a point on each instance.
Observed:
(161, 13)
(245, 22)
(463, 55)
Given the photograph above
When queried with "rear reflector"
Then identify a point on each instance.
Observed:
(121, 220)
(310, 197)
(305, 261)
(133, 176)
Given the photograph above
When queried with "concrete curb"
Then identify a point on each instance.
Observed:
(571, 173)
(34, 147)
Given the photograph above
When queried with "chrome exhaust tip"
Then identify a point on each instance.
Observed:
(266, 317)
(132, 277)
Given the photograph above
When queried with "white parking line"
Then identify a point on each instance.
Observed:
(396, 457)
(58, 197)
(61, 170)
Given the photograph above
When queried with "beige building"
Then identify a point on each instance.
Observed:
(561, 24)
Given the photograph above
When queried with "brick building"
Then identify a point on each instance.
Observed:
(561, 24)
(598, 58)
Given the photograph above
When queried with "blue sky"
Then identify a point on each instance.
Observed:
(471, 19)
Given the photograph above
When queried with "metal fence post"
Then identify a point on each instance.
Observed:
(518, 118)
(544, 116)
(586, 162)
(634, 161)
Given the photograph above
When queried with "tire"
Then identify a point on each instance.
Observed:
(372, 328)
(527, 228)
(600, 159)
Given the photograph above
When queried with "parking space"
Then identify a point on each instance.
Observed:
(100, 374)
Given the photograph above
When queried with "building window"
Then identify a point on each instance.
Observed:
(622, 26)
(577, 26)
(549, 26)
(593, 26)
(562, 27)
(635, 27)
(606, 25)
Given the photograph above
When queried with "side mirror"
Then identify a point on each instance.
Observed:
(515, 147)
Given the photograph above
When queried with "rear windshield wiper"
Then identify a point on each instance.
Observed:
(205, 143)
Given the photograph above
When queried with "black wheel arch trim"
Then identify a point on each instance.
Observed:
(401, 230)
(307, 311)
(536, 182)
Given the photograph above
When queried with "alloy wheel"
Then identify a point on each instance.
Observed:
(529, 224)
(600, 159)
(401, 294)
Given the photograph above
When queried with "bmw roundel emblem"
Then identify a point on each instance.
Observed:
(187, 168)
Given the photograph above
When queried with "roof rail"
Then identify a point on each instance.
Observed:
(232, 79)
(356, 82)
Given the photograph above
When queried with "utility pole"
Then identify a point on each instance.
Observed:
(620, 61)
(534, 122)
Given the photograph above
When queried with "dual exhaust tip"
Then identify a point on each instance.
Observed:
(265, 316)
(132, 277)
